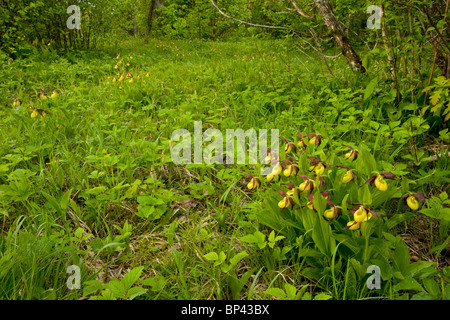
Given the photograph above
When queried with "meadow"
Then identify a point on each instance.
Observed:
(87, 179)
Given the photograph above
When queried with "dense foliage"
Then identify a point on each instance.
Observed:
(86, 171)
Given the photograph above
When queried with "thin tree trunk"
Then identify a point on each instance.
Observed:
(332, 23)
(150, 18)
(134, 20)
(386, 45)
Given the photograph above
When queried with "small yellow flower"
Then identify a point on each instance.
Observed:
(313, 140)
(329, 214)
(348, 176)
(288, 148)
(54, 95)
(360, 214)
(277, 169)
(131, 80)
(270, 177)
(17, 102)
(253, 184)
(305, 186)
(353, 225)
(289, 171)
(34, 114)
(310, 205)
(42, 96)
(380, 183)
(284, 203)
(114, 79)
(350, 155)
(412, 202)
(319, 169)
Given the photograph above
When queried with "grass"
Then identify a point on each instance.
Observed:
(101, 158)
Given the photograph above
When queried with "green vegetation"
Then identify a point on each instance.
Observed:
(87, 179)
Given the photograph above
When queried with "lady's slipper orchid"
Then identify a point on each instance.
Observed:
(286, 201)
(254, 182)
(361, 215)
(379, 182)
(301, 143)
(353, 225)
(351, 155)
(17, 102)
(412, 200)
(289, 146)
(277, 169)
(306, 185)
(348, 176)
(315, 140)
(331, 213)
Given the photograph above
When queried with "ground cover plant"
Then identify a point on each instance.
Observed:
(88, 179)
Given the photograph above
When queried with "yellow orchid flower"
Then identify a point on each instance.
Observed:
(380, 183)
(348, 176)
(353, 225)
(412, 202)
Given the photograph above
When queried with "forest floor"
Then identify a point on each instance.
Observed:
(87, 177)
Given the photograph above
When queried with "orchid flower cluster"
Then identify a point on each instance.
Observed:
(287, 168)
(41, 96)
(124, 73)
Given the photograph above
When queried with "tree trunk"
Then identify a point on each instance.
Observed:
(150, 18)
(134, 20)
(332, 23)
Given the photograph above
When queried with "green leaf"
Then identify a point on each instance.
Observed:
(415, 267)
(91, 287)
(212, 256)
(238, 257)
(322, 236)
(156, 284)
(117, 288)
(366, 161)
(432, 287)
(370, 88)
(290, 291)
(134, 292)
(322, 296)
(249, 238)
(401, 257)
(408, 284)
(132, 276)
(276, 292)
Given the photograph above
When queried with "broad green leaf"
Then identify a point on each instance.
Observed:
(134, 292)
(322, 296)
(132, 276)
(408, 284)
(276, 292)
(91, 287)
(212, 256)
(290, 291)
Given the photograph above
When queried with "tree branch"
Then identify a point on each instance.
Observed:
(248, 23)
(300, 11)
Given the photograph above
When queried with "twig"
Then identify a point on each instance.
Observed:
(248, 23)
